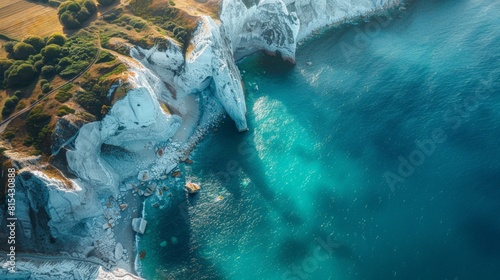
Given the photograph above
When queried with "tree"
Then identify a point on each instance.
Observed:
(37, 42)
(36, 120)
(68, 20)
(19, 75)
(38, 65)
(5, 64)
(22, 51)
(90, 102)
(56, 38)
(72, 13)
(48, 71)
(50, 53)
(105, 2)
(90, 6)
(9, 105)
(9, 46)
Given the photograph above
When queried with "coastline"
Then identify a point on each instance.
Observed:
(192, 142)
(198, 120)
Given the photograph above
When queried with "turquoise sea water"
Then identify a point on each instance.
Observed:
(306, 192)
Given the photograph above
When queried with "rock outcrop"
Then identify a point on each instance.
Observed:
(65, 206)
(267, 25)
(139, 225)
(209, 62)
(192, 188)
(277, 25)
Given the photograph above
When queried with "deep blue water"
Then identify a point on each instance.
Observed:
(419, 95)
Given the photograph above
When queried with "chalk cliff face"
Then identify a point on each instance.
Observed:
(277, 25)
(209, 61)
(267, 25)
(136, 119)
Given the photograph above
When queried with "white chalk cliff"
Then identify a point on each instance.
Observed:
(194, 85)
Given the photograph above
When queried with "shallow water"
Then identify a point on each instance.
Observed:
(305, 191)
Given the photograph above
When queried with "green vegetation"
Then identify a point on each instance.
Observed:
(9, 46)
(64, 110)
(104, 56)
(19, 74)
(5, 64)
(33, 56)
(10, 104)
(46, 88)
(9, 135)
(56, 38)
(51, 53)
(120, 68)
(48, 71)
(105, 2)
(72, 14)
(39, 130)
(37, 42)
(23, 50)
(64, 95)
(94, 98)
(173, 20)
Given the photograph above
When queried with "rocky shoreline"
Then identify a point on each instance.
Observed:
(133, 150)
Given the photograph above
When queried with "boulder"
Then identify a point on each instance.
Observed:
(192, 187)
(139, 225)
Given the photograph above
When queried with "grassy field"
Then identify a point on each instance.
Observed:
(19, 18)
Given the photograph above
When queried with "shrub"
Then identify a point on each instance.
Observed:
(105, 56)
(9, 105)
(21, 105)
(9, 46)
(73, 69)
(89, 101)
(57, 39)
(48, 71)
(64, 95)
(51, 52)
(18, 93)
(7, 111)
(20, 74)
(64, 110)
(42, 141)
(63, 63)
(5, 64)
(38, 65)
(9, 135)
(11, 102)
(22, 51)
(72, 14)
(46, 88)
(90, 6)
(105, 2)
(36, 57)
(36, 120)
(37, 42)
(43, 82)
